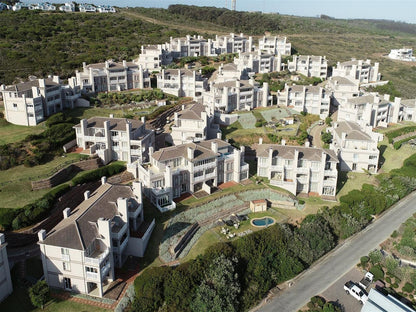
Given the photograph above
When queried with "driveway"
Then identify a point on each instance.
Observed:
(341, 260)
(316, 135)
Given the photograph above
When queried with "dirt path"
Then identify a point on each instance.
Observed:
(316, 135)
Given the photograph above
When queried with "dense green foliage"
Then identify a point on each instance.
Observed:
(388, 88)
(120, 98)
(96, 174)
(254, 23)
(39, 294)
(398, 132)
(38, 148)
(319, 304)
(326, 137)
(398, 144)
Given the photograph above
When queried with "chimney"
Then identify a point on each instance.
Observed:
(111, 115)
(103, 180)
(124, 63)
(260, 140)
(137, 191)
(307, 144)
(190, 153)
(219, 135)
(42, 235)
(67, 212)
(214, 146)
(183, 106)
(150, 151)
(387, 97)
(143, 119)
(87, 195)
(283, 142)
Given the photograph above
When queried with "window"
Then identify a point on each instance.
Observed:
(67, 283)
(15, 105)
(90, 269)
(115, 143)
(114, 133)
(66, 266)
(354, 167)
(64, 251)
(198, 174)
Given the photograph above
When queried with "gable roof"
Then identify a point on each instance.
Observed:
(27, 85)
(288, 152)
(352, 130)
(194, 112)
(115, 123)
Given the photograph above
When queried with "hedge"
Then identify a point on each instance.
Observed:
(96, 174)
(398, 132)
(31, 213)
(398, 144)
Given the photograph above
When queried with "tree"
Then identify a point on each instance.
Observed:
(39, 294)
(328, 121)
(326, 137)
(219, 290)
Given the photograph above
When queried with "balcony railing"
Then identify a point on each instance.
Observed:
(98, 259)
(66, 257)
(92, 276)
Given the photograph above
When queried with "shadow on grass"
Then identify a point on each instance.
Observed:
(381, 158)
(342, 179)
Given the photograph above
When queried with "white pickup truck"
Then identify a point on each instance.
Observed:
(354, 290)
(367, 280)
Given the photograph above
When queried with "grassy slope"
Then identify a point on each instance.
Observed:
(10, 133)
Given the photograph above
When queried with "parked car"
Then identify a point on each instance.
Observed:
(367, 280)
(354, 290)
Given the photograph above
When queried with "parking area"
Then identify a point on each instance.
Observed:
(336, 292)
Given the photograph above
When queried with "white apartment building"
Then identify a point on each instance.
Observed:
(6, 287)
(106, 9)
(407, 111)
(232, 43)
(153, 57)
(28, 103)
(370, 109)
(19, 5)
(341, 89)
(86, 7)
(44, 6)
(232, 95)
(112, 76)
(190, 46)
(188, 168)
(310, 99)
(182, 82)
(356, 147)
(115, 138)
(81, 252)
(275, 45)
(190, 125)
(3, 7)
(258, 62)
(309, 65)
(300, 170)
(359, 70)
(404, 54)
(229, 72)
(67, 7)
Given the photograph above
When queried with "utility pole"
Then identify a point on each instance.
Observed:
(233, 5)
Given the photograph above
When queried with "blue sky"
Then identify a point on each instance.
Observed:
(398, 10)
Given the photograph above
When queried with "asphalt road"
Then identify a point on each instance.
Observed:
(338, 262)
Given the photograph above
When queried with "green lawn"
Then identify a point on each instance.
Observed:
(19, 178)
(10, 133)
(354, 181)
(393, 159)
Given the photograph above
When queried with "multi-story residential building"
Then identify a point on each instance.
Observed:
(106, 9)
(44, 6)
(309, 65)
(115, 138)
(80, 253)
(258, 62)
(6, 287)
(236, 94)
(232, 44)
(28, 103)
(86, 7)
(19, 5)
(275, 45)
(300, 170)
(112, 76)
(229, 72)
(67, 7)
(190, 125)
(407, 111)
(402, 55)
(153, 57)
(356, 147)
(182, 82)
(190, 46)
(188, 168)
(3, 7)
(311, 99)
(341, 89)
(359, 70)
(370, 109)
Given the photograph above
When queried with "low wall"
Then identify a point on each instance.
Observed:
(225, 119)
(137, 246)
(64, 174)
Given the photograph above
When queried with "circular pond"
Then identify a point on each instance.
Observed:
(262, 222)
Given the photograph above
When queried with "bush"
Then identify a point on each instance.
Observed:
(96, 174)
(388, 279)
(39, 294)
(408, 288)
(364, 260)
(394, 234)
(395, 285)
(378, 272)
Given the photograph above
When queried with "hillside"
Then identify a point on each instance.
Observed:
(57, 43)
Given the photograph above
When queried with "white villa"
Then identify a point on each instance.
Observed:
(232, 95)
(28, 103)
(106, 9)
(311, 99)
(85, 7)
(112, 76)
(309, 65)
(153, 57)
(341, 89)
(275, 45)
(115, 138)
(67, 7)
(356, 147)
(190, 46)
(359, 70)
(182, 82)
(43, 6)
(300, 170)
(6, 287)
(80, 253)
(404, 54)
(188, 168)
(258, 62)
(232, 43)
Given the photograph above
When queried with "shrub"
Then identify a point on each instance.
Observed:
(394, 234)
(377, 272)
(388, 279)
(39, 294)
(96, 174)
(408, 288)
(364, 260)
(395, 285)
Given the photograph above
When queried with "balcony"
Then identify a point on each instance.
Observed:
(92, 276)
(329, 182)
(97, 257)
(331, 173)
(134, 209)
(66, 257)
(123, 245)
(244, 168)
(303, 170)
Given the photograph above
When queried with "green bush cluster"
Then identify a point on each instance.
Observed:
(319, 304)
(14, 219)
(121, 98)
(96, 174)
(398, 132)
(398, 144)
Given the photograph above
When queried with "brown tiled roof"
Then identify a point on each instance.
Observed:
(79, 230)
(299, 88)
(288, 152)
(194, 112)
(369, 98)
(342, 80)
(352, 130)
(112, 65)
(27, 85)
(115, 123)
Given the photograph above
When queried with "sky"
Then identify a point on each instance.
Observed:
(397, 10)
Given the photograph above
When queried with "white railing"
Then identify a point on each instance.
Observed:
(120, 232)
(91, 276)
(330, 173)
(244, 167)
(97, 260)
(205, 166)
(329, 183)
(66, 257)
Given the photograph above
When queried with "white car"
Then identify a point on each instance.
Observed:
(354, 290)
